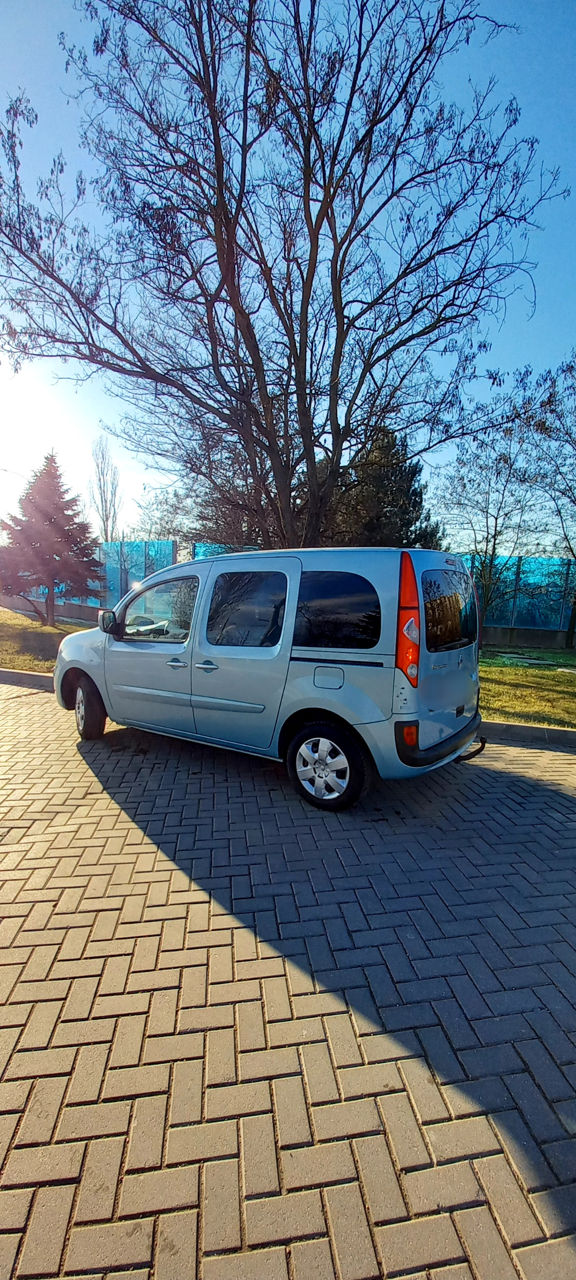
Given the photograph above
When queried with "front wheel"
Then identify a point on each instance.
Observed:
(328, 765)
(89, 710)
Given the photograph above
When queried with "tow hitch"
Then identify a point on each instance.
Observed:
(476, 748)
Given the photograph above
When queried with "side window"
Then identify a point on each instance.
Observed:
(247, 609)
(337, 611)
(162, 613)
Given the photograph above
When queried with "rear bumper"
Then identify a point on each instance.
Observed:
(425, 757)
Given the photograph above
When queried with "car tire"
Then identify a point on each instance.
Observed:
(89, 710)
(328, 765)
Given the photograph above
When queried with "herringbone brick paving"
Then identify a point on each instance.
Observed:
(244, 1040)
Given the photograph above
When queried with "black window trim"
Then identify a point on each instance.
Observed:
(334, 662)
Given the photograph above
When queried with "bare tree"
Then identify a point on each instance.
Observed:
(297, 227)
(168, 514)
(548, 419)
(104, 490)
(491, 511)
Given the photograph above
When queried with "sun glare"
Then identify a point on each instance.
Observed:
(39, 415)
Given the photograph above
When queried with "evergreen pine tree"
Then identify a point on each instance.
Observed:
(49, 544)
(380, 501)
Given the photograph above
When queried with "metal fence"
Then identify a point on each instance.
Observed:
(128, 562)
(125, 563)
(530, 591)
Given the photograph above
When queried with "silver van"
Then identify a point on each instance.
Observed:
(335, 661)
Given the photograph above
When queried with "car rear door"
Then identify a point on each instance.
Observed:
(448, 676)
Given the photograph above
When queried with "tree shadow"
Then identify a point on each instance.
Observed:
(441, 912)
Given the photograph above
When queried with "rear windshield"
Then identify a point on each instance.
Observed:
(449, 609)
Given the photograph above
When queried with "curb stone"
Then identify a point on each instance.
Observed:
(41, 680)
(537, 735)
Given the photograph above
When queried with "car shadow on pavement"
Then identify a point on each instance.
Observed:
(440, 912)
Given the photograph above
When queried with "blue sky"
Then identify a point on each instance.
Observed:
(537, 66)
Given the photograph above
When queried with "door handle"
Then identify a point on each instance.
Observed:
(175, 662)
(207, 665)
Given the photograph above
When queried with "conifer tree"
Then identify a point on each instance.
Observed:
(49, 544)
(380, 501)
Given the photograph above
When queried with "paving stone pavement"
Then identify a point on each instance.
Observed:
(244, 1040)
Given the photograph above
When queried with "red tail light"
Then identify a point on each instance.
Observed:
(408, 628)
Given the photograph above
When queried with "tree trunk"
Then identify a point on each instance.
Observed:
(34, 606)
(50, 605)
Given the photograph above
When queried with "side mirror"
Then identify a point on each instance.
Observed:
(108, 622)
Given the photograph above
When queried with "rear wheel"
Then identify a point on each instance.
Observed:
(89, 710)
(327, 765)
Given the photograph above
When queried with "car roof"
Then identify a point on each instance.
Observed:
(313, 554)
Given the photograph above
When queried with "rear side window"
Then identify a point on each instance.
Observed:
(449, 609)
(337, 611)
(247, 609)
